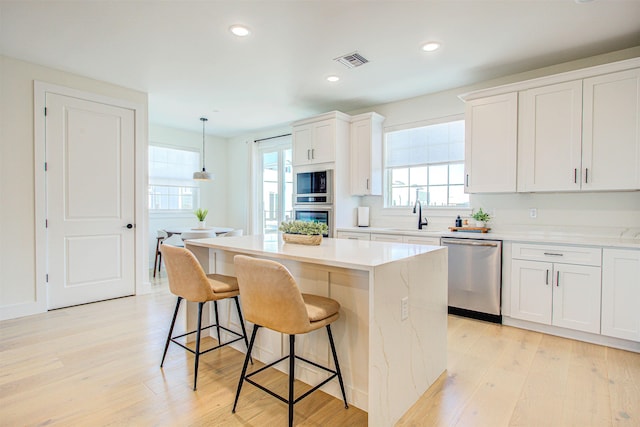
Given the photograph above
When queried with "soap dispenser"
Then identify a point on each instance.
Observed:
(458, 221)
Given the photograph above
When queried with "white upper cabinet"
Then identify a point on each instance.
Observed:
(366, 154)
(491, 144)
(314, 143)
(550, 138)
(576, 131)
(611, 132)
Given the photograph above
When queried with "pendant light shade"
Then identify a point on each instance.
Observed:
(204, 175)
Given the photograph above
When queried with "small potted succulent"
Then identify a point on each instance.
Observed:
(201, 214)
(481, 217)
(303, 232)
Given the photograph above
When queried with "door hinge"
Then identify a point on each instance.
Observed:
(46, 165)
(47, 278)
(45, 111)
(46, 223)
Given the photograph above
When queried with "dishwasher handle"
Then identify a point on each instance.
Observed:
(465, 242)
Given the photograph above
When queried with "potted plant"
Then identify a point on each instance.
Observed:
(481, 217)
(303, 232)
(201, 214)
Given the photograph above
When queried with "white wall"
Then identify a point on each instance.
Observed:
(17, 174)
(213, 194)
(612, 213)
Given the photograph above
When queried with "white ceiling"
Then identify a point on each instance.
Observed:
(182, 54)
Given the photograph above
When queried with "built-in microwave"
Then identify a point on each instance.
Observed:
(314, 187)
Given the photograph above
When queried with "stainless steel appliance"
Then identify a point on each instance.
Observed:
(475, 277)
(313, 187)
(322, 214)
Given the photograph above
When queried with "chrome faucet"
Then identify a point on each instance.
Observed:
(419, 206)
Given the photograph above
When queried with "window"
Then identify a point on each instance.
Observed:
(171, 184)
(274, 184)
(426, 163)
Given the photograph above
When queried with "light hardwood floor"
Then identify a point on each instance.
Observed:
(98, 364)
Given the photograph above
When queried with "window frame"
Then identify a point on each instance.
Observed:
(174, 213)
(436, 211)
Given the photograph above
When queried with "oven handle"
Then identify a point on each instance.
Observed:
(468, 243)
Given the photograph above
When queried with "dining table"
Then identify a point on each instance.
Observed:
(179, 230)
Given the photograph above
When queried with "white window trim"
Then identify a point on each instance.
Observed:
(434, 211)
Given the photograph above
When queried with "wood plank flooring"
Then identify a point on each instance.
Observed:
(98, 365)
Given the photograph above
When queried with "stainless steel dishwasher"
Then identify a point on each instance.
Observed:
(475, 277)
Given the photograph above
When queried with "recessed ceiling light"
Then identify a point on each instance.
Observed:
(239, 30)
(333, 79)
(430, 46)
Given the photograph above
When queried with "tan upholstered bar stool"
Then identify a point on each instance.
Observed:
(271, 299)
(187, 280)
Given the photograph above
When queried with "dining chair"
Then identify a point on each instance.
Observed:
(157, 264)
(232, 233)
(271, 299)
(198, 235)
(188, 281)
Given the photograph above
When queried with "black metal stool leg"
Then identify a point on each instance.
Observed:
(173, 322)
(244, 367)
(198, 332)
(215, 310)
(335, 361)
(292, 366)
(244, 330)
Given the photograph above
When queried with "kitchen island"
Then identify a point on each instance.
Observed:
(391, 337)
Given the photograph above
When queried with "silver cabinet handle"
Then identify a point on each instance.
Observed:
(575, 175)
(367, 183)
(552, 254)
(313, 154)
(467, 180)
(557, 279)
(586, 175)
(308, 154)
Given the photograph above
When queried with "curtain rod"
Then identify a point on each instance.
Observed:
(271, 137)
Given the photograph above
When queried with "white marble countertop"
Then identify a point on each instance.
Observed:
(528, 236)
(353, 254)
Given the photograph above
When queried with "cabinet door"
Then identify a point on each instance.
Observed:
(611, 132)
(302, 142)
(324, 141)
(551, 138)
(366, 155)
(491, 144)
(576, 297)
(621, 293)
(531, 290)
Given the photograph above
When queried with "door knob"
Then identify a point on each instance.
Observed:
(128, 226)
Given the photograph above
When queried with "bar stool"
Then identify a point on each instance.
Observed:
(271, 299)
(157, 264)
(187, 280)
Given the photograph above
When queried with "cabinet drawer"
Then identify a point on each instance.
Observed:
(560, 254)
(353, 235)
(419, 240)
(386, 238)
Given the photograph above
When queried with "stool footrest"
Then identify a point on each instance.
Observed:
(174, 339)
(248, 379)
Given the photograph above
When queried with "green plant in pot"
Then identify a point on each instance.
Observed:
(201, 214)
(481, 217)
(303, 232)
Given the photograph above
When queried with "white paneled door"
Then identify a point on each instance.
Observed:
(90, 201)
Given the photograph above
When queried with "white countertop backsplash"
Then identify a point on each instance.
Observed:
(598, 236)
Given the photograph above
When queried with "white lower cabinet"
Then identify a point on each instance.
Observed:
(559, 293)
(421, 240)
(621, 293)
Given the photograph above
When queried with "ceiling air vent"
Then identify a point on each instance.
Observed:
(352, 60)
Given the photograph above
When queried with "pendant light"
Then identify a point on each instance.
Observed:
(204, 175)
